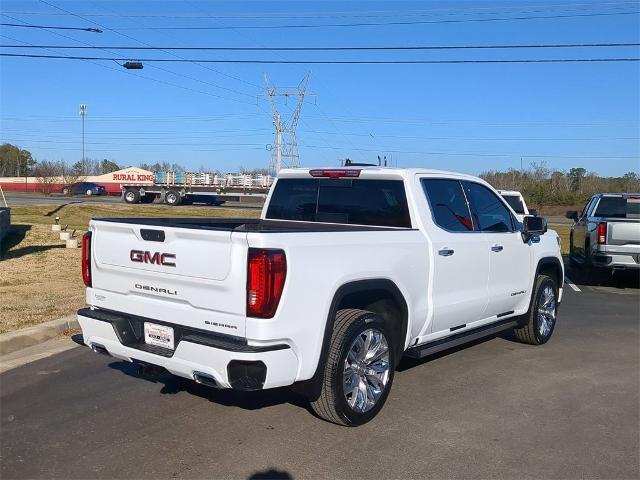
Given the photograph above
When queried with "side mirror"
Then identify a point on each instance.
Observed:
(572, 214)
(533, 211)
(533, 226)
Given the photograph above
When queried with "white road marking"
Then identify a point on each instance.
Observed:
(573, 286)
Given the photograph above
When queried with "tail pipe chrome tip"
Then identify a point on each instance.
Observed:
(205, 379)
(96, 347)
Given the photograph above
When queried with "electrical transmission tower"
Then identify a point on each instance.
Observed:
(285, 148)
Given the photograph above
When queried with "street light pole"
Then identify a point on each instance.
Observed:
(83, 112)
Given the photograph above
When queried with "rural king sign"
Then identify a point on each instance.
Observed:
(132, 177)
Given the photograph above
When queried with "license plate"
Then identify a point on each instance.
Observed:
(159, 335)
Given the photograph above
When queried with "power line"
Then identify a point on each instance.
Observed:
(264, 132)
(360, 14)
(169, 117)
(332, 49)
(128, 72)
(382, 24)
(329, 62)
(50, 27)
(148, 45)
(257, 146)
(363, 14)
(206, 67)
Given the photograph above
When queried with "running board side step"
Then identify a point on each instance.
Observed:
(435, 346)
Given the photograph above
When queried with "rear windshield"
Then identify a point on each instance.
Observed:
(618, 207)
(349, 201)
(515, 203)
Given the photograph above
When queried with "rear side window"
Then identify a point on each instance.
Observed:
(348, 201)
(618, 207)
(448, 204)
(515, 203)
(489, 212)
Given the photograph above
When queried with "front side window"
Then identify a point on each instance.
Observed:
(448, 204)
(586, 207)
(347, 201)
(489, 212)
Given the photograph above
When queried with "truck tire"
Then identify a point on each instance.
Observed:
(540, 321)
(172, 198)
(131, 196)
(358, 372)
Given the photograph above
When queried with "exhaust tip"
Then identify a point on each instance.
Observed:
(205, 379)
(97, 348)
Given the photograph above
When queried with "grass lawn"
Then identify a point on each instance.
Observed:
(563, 231)
(40, 280)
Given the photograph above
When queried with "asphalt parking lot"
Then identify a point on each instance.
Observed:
(496, 408)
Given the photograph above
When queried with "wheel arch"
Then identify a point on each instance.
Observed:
(381, 296)
(551, 267)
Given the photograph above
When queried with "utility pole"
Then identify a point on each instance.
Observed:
(83, 112)
(285, 150)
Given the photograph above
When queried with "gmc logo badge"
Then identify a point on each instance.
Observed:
(157, 258)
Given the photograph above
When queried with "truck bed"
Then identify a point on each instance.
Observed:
(245, 225)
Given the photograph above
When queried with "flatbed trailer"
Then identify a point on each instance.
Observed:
(176, 194)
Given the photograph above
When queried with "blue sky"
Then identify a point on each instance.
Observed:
(467, 118)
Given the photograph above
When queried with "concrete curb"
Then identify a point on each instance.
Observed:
(26, 337)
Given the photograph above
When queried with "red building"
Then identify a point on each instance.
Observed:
(111, 181)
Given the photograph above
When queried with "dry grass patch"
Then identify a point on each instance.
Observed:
(563, 232)
(40, 280)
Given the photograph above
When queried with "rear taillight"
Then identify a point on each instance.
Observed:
(86, 259)
(266, 273)
(335, 173)
(601, 233)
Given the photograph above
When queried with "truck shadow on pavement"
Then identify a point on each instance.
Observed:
(172, 385)
(620, 279)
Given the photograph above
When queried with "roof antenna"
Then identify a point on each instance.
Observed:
(378, 160)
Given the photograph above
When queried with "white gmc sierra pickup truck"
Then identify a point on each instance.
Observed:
(347, 270)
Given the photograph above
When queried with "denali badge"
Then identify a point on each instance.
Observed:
(149, 288)
(156, 258)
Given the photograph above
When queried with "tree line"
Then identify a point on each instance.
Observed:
(17, 162)
(541, 185)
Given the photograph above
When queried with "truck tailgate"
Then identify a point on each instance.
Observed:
(623, 232)
(193, 277)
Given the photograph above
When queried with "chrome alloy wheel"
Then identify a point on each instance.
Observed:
(130, 196)
(366, 370)
(546, 311)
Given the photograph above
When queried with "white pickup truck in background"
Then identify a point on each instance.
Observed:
(517, 203)
(346, 271)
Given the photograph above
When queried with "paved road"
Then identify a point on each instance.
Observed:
(568, 409)
(21, 198)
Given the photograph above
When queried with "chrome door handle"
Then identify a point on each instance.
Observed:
(496, 248)
(445, 252)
